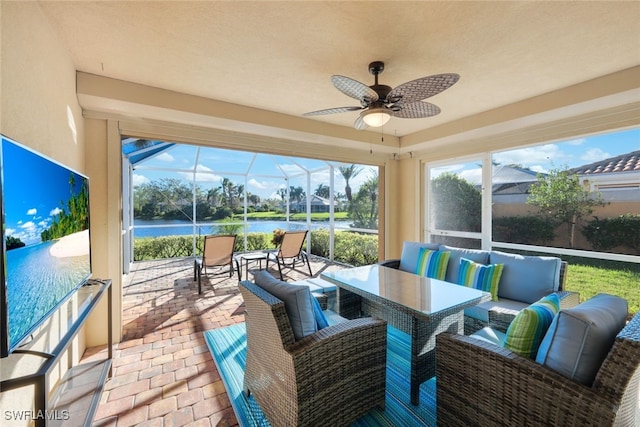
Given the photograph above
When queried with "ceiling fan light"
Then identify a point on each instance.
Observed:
(376, 117)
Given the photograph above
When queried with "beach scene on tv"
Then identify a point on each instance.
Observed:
(46, 236)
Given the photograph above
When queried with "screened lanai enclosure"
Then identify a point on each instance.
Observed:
(183, 192)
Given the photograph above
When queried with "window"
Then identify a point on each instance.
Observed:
(574, 195)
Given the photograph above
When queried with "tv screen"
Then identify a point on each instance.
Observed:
(45, 237)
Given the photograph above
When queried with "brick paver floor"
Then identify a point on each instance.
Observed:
(163, 373)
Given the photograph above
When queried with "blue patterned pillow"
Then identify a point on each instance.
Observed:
(526, 331)
(483, 277)
(432, 264)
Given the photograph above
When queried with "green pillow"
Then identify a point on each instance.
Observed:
(432, 264)
(526, 331)
(480, 276)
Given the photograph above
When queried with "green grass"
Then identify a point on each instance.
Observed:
(621, 279)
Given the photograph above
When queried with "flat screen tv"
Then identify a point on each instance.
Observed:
(45, 240)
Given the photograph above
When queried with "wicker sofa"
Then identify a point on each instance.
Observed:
(329, 377)
(594, 379)
(525, 279)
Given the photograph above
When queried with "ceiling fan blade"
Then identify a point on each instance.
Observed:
(422, 88)
(416, 110)
(332, 111)
(359, 124)
(354, 89)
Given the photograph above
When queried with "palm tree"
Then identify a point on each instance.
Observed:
(213, 196)
(349, 172)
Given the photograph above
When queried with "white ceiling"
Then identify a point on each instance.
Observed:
(279, 56)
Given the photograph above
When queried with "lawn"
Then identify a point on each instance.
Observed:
(591, 277)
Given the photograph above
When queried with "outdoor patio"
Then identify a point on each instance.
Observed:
(163, 373)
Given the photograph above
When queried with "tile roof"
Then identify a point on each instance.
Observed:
(628, 162)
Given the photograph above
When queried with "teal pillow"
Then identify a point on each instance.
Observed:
(409, 257)
(321, 320)
(526, 331)
(475, 255)
(478, 276)
(432, 264)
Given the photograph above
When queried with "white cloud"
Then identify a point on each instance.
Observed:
(139, 180)
(29, 225)
(531, 155)
(32, 211)
(473, 176)
(55, 211)
(578, 141)
(10, 231)
(203, 174)
(254, 184)
(594, 155)
(165, 157)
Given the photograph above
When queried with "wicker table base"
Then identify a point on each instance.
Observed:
(418, 306)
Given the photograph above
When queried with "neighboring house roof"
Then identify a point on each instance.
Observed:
(315, 200)
(629, 162)
(512, 180)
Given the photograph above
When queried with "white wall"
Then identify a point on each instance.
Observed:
(39, 109)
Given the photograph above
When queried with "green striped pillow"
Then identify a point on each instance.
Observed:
(480, 276)
(526, 331)
(432, 264)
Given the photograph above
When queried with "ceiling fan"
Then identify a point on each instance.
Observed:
(380, 102)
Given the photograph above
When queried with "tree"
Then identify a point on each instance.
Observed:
(296, 193)
(364, 207)
(349, 172)
(14, 242)
(322, 190)
(561, 198)
(456, 203)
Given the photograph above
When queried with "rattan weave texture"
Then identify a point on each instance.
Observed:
(480, 384)
(329, 378)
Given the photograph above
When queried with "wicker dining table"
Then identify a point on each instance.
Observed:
(419, 306)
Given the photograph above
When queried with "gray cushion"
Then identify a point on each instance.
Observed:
(475, 255)
(297, 302)
(526, 278)
(579, 338)
(409, 257)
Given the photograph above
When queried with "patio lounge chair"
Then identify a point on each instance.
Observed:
(217, 252)
(290, 248)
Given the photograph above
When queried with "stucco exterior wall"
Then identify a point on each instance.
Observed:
(39, 109)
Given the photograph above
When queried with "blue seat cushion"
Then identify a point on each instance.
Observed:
(298, 302)
(526, 278)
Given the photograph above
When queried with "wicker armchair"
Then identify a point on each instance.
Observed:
(480, 384)
(331, 377)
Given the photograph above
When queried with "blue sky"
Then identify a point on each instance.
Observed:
(33, 189)
(266, 172)
(557, 155)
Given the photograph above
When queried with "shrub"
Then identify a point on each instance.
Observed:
(608, 233)
(527, 229)
(350, 248)
(147, 248)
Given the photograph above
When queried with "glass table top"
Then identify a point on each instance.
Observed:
(410, 290)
